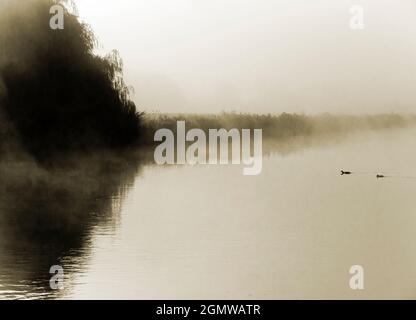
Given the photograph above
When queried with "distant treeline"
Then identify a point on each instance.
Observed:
(277, 127)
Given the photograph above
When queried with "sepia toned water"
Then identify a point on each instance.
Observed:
(202, 232)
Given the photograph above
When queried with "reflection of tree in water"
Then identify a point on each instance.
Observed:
(57, 97)
(48, 217)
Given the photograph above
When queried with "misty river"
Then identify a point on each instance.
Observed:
(209, 232)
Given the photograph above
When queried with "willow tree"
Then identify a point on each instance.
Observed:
(54, 89)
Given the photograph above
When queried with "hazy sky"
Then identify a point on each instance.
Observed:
(262, 55)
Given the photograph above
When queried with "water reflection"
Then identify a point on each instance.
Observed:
(204, 232)
(48, 217)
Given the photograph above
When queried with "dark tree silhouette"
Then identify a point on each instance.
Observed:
(54, 90)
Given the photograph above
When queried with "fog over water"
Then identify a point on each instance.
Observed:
(80, 187)
(124, 231)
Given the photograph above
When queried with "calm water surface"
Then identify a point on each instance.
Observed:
(204, 232)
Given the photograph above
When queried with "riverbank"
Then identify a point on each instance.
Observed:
(279, 127)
